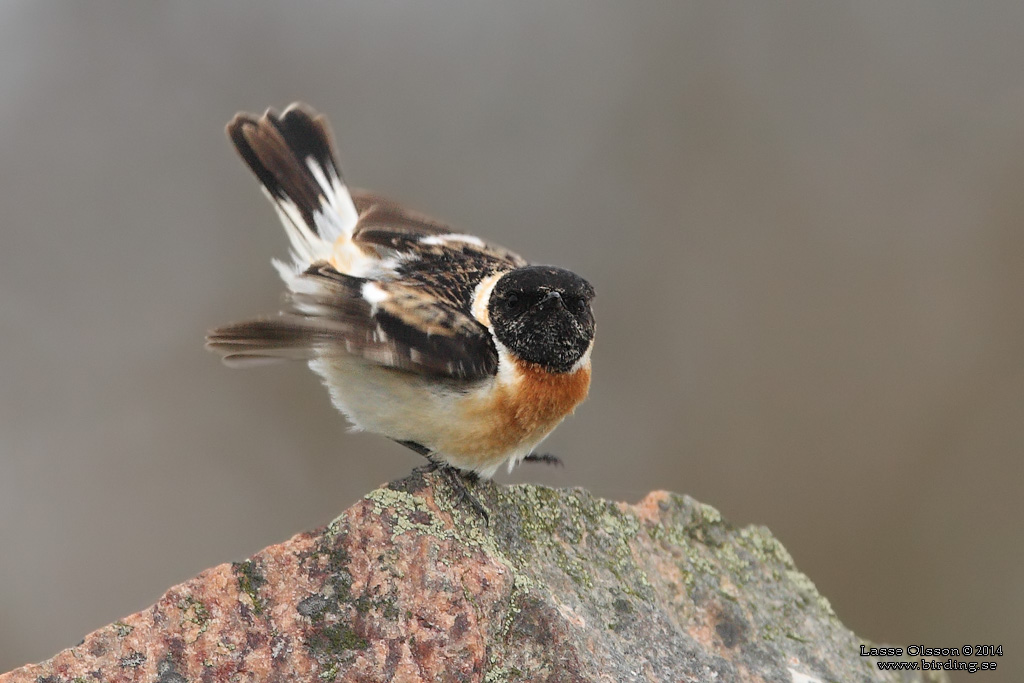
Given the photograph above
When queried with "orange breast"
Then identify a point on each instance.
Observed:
(543, 398)
(522, 411)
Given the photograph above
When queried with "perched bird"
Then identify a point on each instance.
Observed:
(456, 348)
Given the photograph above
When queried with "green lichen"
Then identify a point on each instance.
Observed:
(575, 569)
(738, 565)
(123, 629)
(711, 549)
(591, 543)
(332, 646)
(386, 605)
(710, 553)
(329, 555)
(567, 551)
(335, 528)
(570, 528)
(621, 529)
(250, 580)
(809, 592)
(411, 514)
(521, 585)
(338, 558)
(390, 610)
(133, 660)
(709, 516)
(195, 612)
(765, 548)
(503, 674)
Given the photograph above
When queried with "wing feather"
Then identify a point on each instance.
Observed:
(387, 225)
(391, 324)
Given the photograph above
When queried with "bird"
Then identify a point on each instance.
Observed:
(456, 348)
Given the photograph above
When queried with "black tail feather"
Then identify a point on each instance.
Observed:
(278, 150)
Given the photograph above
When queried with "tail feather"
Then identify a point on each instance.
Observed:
(292, 157)
(286, 337)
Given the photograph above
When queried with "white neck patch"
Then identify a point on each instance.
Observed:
(482, 297)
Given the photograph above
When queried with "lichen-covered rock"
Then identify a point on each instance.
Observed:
(560, 586)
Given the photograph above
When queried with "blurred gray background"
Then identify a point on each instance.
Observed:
(804, 223)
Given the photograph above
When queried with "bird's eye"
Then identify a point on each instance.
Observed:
(578, 304)
(513, 303)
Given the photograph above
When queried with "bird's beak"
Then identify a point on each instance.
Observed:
(550, 296)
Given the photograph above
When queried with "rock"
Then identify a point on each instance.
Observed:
(561, 586)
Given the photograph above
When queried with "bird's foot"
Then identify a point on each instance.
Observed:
(456, 478)
(545, 458)
(431, 466)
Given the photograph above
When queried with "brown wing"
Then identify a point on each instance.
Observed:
(386, 224)
(378, 214)
(427, 254)
(386, 323)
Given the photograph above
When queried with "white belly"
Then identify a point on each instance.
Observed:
(474, 426)
(444, 417)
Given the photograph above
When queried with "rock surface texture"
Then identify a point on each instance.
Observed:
(561, 586)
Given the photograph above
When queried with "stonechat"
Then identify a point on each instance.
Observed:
(457, 348)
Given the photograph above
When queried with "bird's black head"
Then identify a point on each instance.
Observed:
(543, 315)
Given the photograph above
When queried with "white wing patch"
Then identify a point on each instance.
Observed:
(334, 224)
(339, 216)
(441, 240)
(374, 294)
(306, 246)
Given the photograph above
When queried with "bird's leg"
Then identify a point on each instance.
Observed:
(418, 448)
(545, 458)
(425, 452)
(456, 479)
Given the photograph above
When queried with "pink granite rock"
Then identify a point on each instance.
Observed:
(561, 586)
